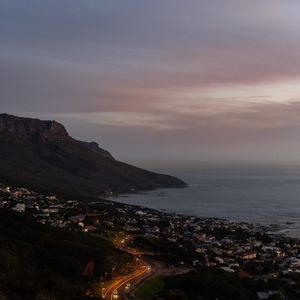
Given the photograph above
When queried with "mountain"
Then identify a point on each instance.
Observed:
(41, 155)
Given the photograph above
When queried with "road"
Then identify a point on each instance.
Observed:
(119, 286)
(118, 289)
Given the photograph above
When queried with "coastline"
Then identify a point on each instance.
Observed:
(178, 201)
(175, 239)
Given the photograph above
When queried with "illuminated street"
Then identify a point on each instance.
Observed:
(121, 285)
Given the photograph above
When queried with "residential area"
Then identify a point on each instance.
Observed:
(241, 249)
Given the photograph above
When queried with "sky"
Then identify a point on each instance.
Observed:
(193, 80)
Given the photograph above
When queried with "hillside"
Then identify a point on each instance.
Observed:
(42, 262)
(41, 155)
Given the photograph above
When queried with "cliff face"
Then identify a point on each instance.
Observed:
(25, 131)
(25, 128)
(42, 155)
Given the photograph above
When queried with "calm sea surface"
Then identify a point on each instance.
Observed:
(266, 195)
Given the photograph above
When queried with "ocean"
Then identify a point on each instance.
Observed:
(252, 193)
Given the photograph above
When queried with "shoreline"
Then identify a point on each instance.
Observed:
(283, 227)
(178, 240)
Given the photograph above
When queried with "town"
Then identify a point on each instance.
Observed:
(246, 250)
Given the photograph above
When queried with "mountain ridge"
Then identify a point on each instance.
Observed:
(43, 156)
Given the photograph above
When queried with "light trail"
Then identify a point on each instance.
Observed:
(108, 295)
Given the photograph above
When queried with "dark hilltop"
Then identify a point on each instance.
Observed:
(42, 155)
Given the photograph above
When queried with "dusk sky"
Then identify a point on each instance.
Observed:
(162, 79)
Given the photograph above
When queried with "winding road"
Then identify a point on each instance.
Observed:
(118, 289)
(120, 286)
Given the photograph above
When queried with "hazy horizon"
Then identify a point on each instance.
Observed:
(152, 80)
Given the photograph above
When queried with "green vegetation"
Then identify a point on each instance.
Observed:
(42, 262)
(205, 284)
(112, 236)
(166, 251)
(210, 285)
(150, 289)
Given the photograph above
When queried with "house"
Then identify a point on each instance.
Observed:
(248, 255)
(20, 207)
(267, 295)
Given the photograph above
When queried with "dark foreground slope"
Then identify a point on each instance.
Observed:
(41, 155)
(41, 262)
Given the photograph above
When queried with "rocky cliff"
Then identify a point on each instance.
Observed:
(43, 156)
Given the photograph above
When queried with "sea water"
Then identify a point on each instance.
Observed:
(252, 193)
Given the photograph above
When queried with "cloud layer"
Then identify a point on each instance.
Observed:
(195, 78)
